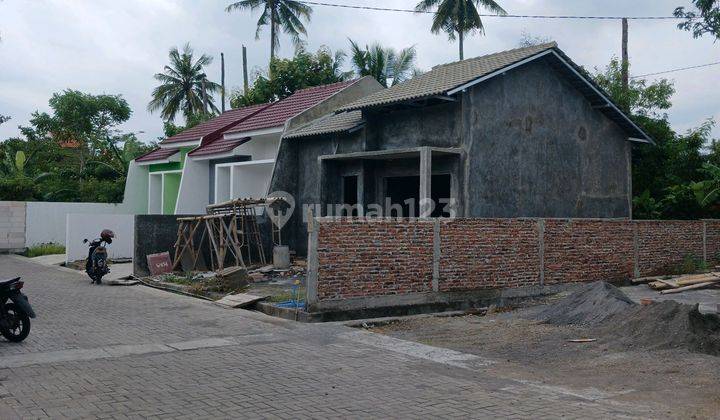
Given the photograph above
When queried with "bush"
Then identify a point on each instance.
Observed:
(44, 249)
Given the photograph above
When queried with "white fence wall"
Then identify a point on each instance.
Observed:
(89, 226)
(46, 221)
(12, 225)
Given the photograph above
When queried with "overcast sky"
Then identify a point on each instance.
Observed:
(115, 47)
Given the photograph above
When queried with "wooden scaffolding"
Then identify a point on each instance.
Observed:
(228, 235)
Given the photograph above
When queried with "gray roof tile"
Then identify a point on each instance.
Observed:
(446, 77)
(329, 124)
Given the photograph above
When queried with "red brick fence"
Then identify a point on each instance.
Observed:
(360, 259)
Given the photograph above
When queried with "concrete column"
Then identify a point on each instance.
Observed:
(541, 249)
(312, 261)
(436, 256)
(425, 181)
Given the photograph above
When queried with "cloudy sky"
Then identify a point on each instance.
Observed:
(110, 46)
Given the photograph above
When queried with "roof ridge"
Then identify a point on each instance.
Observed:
(348, 82)
(538, 47)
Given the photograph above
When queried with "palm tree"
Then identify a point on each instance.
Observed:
(458, 16)
(384, 64)
(279, 14)
(181, 86)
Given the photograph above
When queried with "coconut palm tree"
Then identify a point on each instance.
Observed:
(386, 65)
(279, 14)
(181, 86)
(458, 17)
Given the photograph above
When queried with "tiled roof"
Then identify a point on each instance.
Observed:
(446, 77)
(157, 154)
(221, 122)
(334, 123)
(279, 112)
(218, 147)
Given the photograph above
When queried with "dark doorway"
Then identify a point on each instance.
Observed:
(400, 189)
(350, 194)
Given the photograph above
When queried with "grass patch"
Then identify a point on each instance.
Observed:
(44, 249)
(175, 279)
(285, 296)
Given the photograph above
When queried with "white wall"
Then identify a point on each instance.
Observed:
(193, 194)
(89, 226)
(46, 221)
(12, 225)
(135, 200)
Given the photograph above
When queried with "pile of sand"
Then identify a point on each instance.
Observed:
(663, 325)
(590, 305)
(615, 319)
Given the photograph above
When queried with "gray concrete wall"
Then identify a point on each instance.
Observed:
(536, 148)
(153, 234)
(437, 125)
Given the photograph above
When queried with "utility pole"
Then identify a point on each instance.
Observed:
(245, 73)
(204, 98)
(222, 81)
(625, 61)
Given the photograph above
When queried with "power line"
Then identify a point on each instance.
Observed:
(386, 9)
(675, 70)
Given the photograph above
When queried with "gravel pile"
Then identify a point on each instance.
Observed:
(616, 320)
(664, 325)
(590, 305)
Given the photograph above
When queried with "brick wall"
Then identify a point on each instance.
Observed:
(488, 253)
(369, 258)
(712, 240)
(12, 225)
(587, 250)
(664, 244)
(374, 258)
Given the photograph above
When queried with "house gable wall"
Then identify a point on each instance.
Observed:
(536, 148)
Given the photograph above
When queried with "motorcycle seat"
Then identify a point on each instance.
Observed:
(9, 282)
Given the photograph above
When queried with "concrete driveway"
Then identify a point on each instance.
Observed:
(118, 352)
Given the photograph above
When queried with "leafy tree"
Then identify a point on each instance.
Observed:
(181, 86)
(278, 14)
(459, 17)
(384, 64)
(704, 20)
(4, 119)
(663, 175)
(73, 153)
(286, 76)
(83, 119)
(641, 97)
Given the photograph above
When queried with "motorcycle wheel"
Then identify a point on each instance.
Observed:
(17, 322)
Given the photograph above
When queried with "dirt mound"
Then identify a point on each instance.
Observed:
(590, 305)
(664, 325)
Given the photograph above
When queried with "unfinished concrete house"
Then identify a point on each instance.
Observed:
(520, 133)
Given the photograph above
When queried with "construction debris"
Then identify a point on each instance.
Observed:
(240, 300)
(679, 284)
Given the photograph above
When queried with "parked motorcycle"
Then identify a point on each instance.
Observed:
(96, 265)
(14, 315)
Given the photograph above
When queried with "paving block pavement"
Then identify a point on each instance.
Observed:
(131, 352)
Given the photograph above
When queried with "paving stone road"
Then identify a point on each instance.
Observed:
(129, 352)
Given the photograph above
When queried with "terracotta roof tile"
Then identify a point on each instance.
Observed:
(221, 122)
(279, 112)
(218, 147)
(157, 154)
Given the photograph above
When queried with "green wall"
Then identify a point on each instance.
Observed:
(170, 192)
(172, 181)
